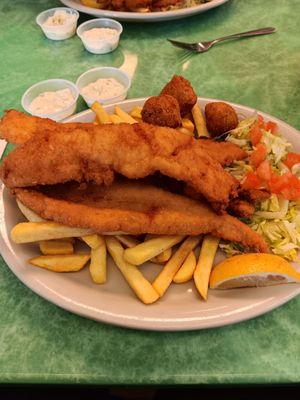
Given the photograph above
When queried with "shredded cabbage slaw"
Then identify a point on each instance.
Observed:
(277, 219)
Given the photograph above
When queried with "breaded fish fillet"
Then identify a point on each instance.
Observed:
(135, 208)
(134, 151)
(17, 128)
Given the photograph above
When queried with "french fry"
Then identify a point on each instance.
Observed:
(115, 119)
(186, 271)
(149, 249)
(199, 121)
(94, 241)
(185, 131)
(27, 232)
(29, 214)
(124, 115)
(204, 265)
(165, 277)
(98, 263)
(102, 116)
(162, 257)
(136, 112)
(61, 263)
(188, 124)
(139, 284)
(127, 240)
(56, 247)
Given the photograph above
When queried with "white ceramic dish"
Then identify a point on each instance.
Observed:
(100, 46)
(144, 17)
(114, 302)
(48, 86)
(103, 72)
(59, 32)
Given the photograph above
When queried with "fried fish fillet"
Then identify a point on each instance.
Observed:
(135, 208)
(135, 151)
(17, 128)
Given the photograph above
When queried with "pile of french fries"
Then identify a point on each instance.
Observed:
(177, 254)
(193, 125)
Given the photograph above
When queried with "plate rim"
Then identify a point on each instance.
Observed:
(15, 265)
(145, 17)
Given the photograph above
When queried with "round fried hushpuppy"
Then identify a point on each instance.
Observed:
(220, 118)
(162, 110)
(181, 89)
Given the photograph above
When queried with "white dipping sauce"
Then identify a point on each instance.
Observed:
(104, 88)
(51, 102)
(59, 18)
(101, 39)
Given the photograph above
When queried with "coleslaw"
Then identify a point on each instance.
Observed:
(271, 165)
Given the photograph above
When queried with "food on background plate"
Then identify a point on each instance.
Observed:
(148, 181)
(141, 5)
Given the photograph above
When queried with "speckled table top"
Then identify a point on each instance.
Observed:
(41, 343)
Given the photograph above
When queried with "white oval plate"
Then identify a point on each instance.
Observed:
(144, 17)
(114, 302)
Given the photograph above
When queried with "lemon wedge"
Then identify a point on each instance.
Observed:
(253, 269)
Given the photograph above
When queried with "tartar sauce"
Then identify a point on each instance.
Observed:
(100, 40)
(96, 34)
(104, 88)
(60, 17)
(51, 102)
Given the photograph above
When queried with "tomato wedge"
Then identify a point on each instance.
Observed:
(264, 171)
(288, 185)
(255, 134)
(251, 181)
(261, 122)
(272, 127)
(292, 159)
(258, 155)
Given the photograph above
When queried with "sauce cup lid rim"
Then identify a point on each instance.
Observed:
(70, 83)
(73, 11)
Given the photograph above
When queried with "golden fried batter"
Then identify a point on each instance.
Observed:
(220, 118)
(162, 110)
(135, 208)
(181, 89)
(135, 151)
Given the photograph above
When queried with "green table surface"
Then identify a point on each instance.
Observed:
(41, 343)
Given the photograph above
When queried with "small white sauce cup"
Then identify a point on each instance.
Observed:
(94, 74)
(102, 46)
(51, 85)
(58, 32)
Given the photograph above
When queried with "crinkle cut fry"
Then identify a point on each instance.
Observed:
(135, 151)
(135, 208)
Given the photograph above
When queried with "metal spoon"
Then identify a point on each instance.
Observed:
(201, 47)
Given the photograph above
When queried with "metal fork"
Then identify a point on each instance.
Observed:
(201, 47)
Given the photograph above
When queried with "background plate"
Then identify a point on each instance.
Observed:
(144, 17)
(114, 302)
